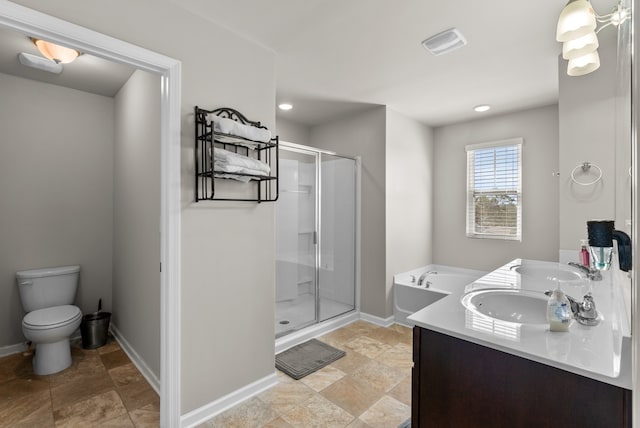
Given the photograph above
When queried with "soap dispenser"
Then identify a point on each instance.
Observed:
(558, 311)
(584, 254)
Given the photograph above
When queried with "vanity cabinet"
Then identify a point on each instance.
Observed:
(456, 383)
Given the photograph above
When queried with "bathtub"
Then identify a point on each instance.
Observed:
(409, 298)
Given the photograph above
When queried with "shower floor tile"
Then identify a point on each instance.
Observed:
(293, 314)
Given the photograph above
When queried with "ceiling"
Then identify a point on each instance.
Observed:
(338, 56)
(87, 73)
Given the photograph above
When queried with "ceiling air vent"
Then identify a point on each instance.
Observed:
(444, 42)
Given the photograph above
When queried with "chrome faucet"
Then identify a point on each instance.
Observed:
(592, 274)
(424, 276)
(585, 313)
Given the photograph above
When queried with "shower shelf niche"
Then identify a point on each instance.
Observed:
(258, 188)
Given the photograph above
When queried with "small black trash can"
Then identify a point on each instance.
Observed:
(94, 328)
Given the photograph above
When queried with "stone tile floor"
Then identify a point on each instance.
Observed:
(369, 387)
(102, 388)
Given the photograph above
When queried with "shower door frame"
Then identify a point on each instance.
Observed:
(318, 231)
(316, 238)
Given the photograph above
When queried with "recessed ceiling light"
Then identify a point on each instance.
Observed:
(481, 108)
(285, 106)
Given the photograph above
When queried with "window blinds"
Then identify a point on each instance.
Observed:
(494, 190)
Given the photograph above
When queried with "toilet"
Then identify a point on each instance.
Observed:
(47, 296)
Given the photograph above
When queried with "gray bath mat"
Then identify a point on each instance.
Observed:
(306, 358)
(405, 424)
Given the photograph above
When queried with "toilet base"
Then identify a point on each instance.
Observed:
(52, 358)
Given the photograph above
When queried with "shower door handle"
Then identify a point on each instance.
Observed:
(315, 238)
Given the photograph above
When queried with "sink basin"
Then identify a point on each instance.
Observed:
(549, 273)
(511, 305)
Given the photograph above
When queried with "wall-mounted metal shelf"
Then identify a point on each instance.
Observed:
(210, 168)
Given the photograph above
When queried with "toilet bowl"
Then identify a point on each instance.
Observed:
(49, 329)
(47, 296)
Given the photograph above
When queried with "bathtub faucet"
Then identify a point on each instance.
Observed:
(424, 276)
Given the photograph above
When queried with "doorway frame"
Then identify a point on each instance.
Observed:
(38, 24)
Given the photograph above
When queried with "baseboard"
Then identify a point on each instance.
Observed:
(13, 349)
(208, 411)
(296, 338)
(136, 359)
(382, 322)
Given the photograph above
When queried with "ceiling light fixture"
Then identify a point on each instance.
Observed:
(482, 108)
(35, 61)
(577, 30)
(285, 106)
(57, 53)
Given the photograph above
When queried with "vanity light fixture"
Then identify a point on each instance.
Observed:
(56, 53)
(577, 30)
(482, 108)
(285, 106)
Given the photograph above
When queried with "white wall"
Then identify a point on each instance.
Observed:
(56, 168)
(136, 217)
(364, 135)
(293, 132)
(587, 134)
(227, 248)
(540, 224)
(409, 194)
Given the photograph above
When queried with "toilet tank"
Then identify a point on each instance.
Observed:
(47, 287)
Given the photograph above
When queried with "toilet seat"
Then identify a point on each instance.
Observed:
(48, 318)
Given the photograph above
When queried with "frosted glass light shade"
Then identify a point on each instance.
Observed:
(584, 64)
(36, 61)
(581, 46)
(576, 20)
(57, 53)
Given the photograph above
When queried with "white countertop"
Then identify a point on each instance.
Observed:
(601, 352)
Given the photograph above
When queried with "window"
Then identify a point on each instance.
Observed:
(494, 190)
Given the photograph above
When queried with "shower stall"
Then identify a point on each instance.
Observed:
(315, 237)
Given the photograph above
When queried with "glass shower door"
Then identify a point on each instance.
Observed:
(337, 236)
(296, 242)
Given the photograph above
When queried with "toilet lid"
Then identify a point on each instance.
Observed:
(51, 317)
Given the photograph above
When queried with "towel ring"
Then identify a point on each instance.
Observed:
(586, 166)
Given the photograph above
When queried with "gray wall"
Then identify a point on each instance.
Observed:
(228, 278)
(292, 132)
(587, 133)
(56, 169)
(364, 135)
(397, 185)
(540, 224)
(409, 194)
(136, 217)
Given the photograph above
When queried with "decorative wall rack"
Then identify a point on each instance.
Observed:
(242, 154)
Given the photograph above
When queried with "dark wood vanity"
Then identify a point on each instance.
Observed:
(461, 384)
